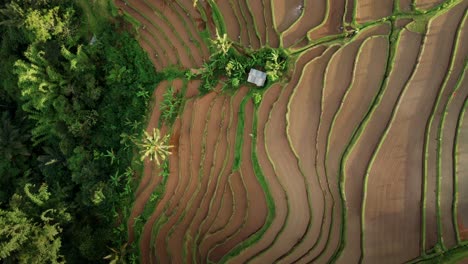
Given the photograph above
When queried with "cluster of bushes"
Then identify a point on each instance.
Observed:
(70, 107)
(232, 63)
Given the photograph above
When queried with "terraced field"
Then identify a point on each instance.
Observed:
(357, 154)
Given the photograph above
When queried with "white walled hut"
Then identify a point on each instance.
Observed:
(257, 77)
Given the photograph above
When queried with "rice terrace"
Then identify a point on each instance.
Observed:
(353, 151)
(300, 131)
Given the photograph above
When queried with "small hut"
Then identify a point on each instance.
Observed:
(256, 77)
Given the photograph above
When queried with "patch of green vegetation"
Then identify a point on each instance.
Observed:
(239, 135)
(453, 255)
(62, 99)
(419, 24)
(268, 197)
(217, 17)
(171, 105)
(232, 63)
(96, 15)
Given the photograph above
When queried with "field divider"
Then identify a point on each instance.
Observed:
(156, 54)
(171, 28)
(210, 177)
(167, 197)
(300, 164)
(377, 99)
(225, 169)
(239, 150)
(339, 178)
(258, 254)
(268, 197)
(165, 37)
(193, 23)
(188, 205)
(456, 161)
(187, 30)
(440, 132)
(325, 175)
(381, 141)
(253, 25)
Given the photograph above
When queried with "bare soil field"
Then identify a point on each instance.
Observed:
(312, 15)
(427, 4)
(354, 154)
(332, 23)
(368, 10)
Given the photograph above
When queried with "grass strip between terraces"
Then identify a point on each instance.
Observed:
(327, 142)
(165, 22)
(200, 175)
(376, 151)
(326, 19)
(455, 47)
(187, 30)
(236, 168)
(268, 197)
(258, 254)
(393, 43)
(345, 153)
(253, 26)
(225, 169)
(300, 164)
(156, 54)
(158, 29)
(316, 172)
(210, 176)
(218, 18)
(456, 161)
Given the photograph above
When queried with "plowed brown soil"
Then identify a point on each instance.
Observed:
(286, 13)
(341, 64)
(392, 180)
(212, 131)
(153, 32)
(180, 22)
(359, 158)
(367, 79)
(405, 5)
(277, 191)
(427, 4)
(285, 165)
(152, 18)
(213, 225)
(251, 25)
(302, 131)
(257, 210)
(369, 10)
(230, 18)
(332, 23)
(259, 16)
(313, 14)
(457, 59)
(354, 105)
(271, 32)
(236, 221)
(220, 154)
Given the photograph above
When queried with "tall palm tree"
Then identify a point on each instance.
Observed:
(154, 146)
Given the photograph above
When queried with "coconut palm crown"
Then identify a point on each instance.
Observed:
(154, 146)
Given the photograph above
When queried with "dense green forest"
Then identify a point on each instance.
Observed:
(74, 91)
